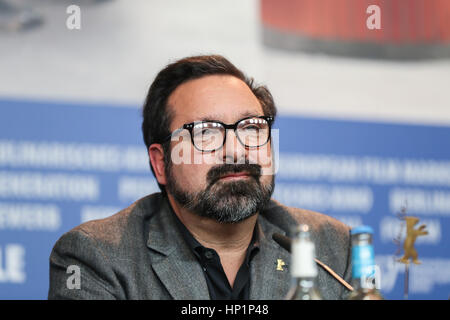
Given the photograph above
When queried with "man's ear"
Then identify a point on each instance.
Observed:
(156, 155)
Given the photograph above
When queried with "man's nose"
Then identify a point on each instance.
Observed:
(233, 150)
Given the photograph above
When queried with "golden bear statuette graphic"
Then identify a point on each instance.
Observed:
(411, 236)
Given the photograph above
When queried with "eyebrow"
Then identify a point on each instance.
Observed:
(242, 116)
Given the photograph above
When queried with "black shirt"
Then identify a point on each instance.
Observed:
(218, 286)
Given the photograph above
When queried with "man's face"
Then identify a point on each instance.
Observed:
(228, 184)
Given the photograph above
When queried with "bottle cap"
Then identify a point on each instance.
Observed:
(303, 228)
(362, 229)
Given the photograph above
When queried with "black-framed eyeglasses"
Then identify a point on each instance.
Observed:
(209, 136)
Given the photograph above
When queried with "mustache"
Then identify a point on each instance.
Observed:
(215, 173)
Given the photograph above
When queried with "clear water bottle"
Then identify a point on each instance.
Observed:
(303, 267)
(365, 274)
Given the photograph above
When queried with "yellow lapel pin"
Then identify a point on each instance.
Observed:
(280, 264)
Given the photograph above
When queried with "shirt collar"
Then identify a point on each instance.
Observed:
(197, 248)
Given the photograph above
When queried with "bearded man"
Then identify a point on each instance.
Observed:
(208, 233)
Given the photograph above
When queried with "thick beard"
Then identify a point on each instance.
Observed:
(225, 201)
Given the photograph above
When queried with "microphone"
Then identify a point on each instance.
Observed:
(285, 243)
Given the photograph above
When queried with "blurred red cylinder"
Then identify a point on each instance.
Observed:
(403, 22)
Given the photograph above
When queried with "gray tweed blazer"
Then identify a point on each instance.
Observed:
(139, 253)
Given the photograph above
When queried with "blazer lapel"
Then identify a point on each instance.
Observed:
(270, 274)
(172, 260)
(182, 277)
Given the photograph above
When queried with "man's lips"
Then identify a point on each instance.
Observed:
(238, 175)
(233, 172)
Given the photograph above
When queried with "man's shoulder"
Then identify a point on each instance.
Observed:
(286, 218)
(123, 226)
(104, 248)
